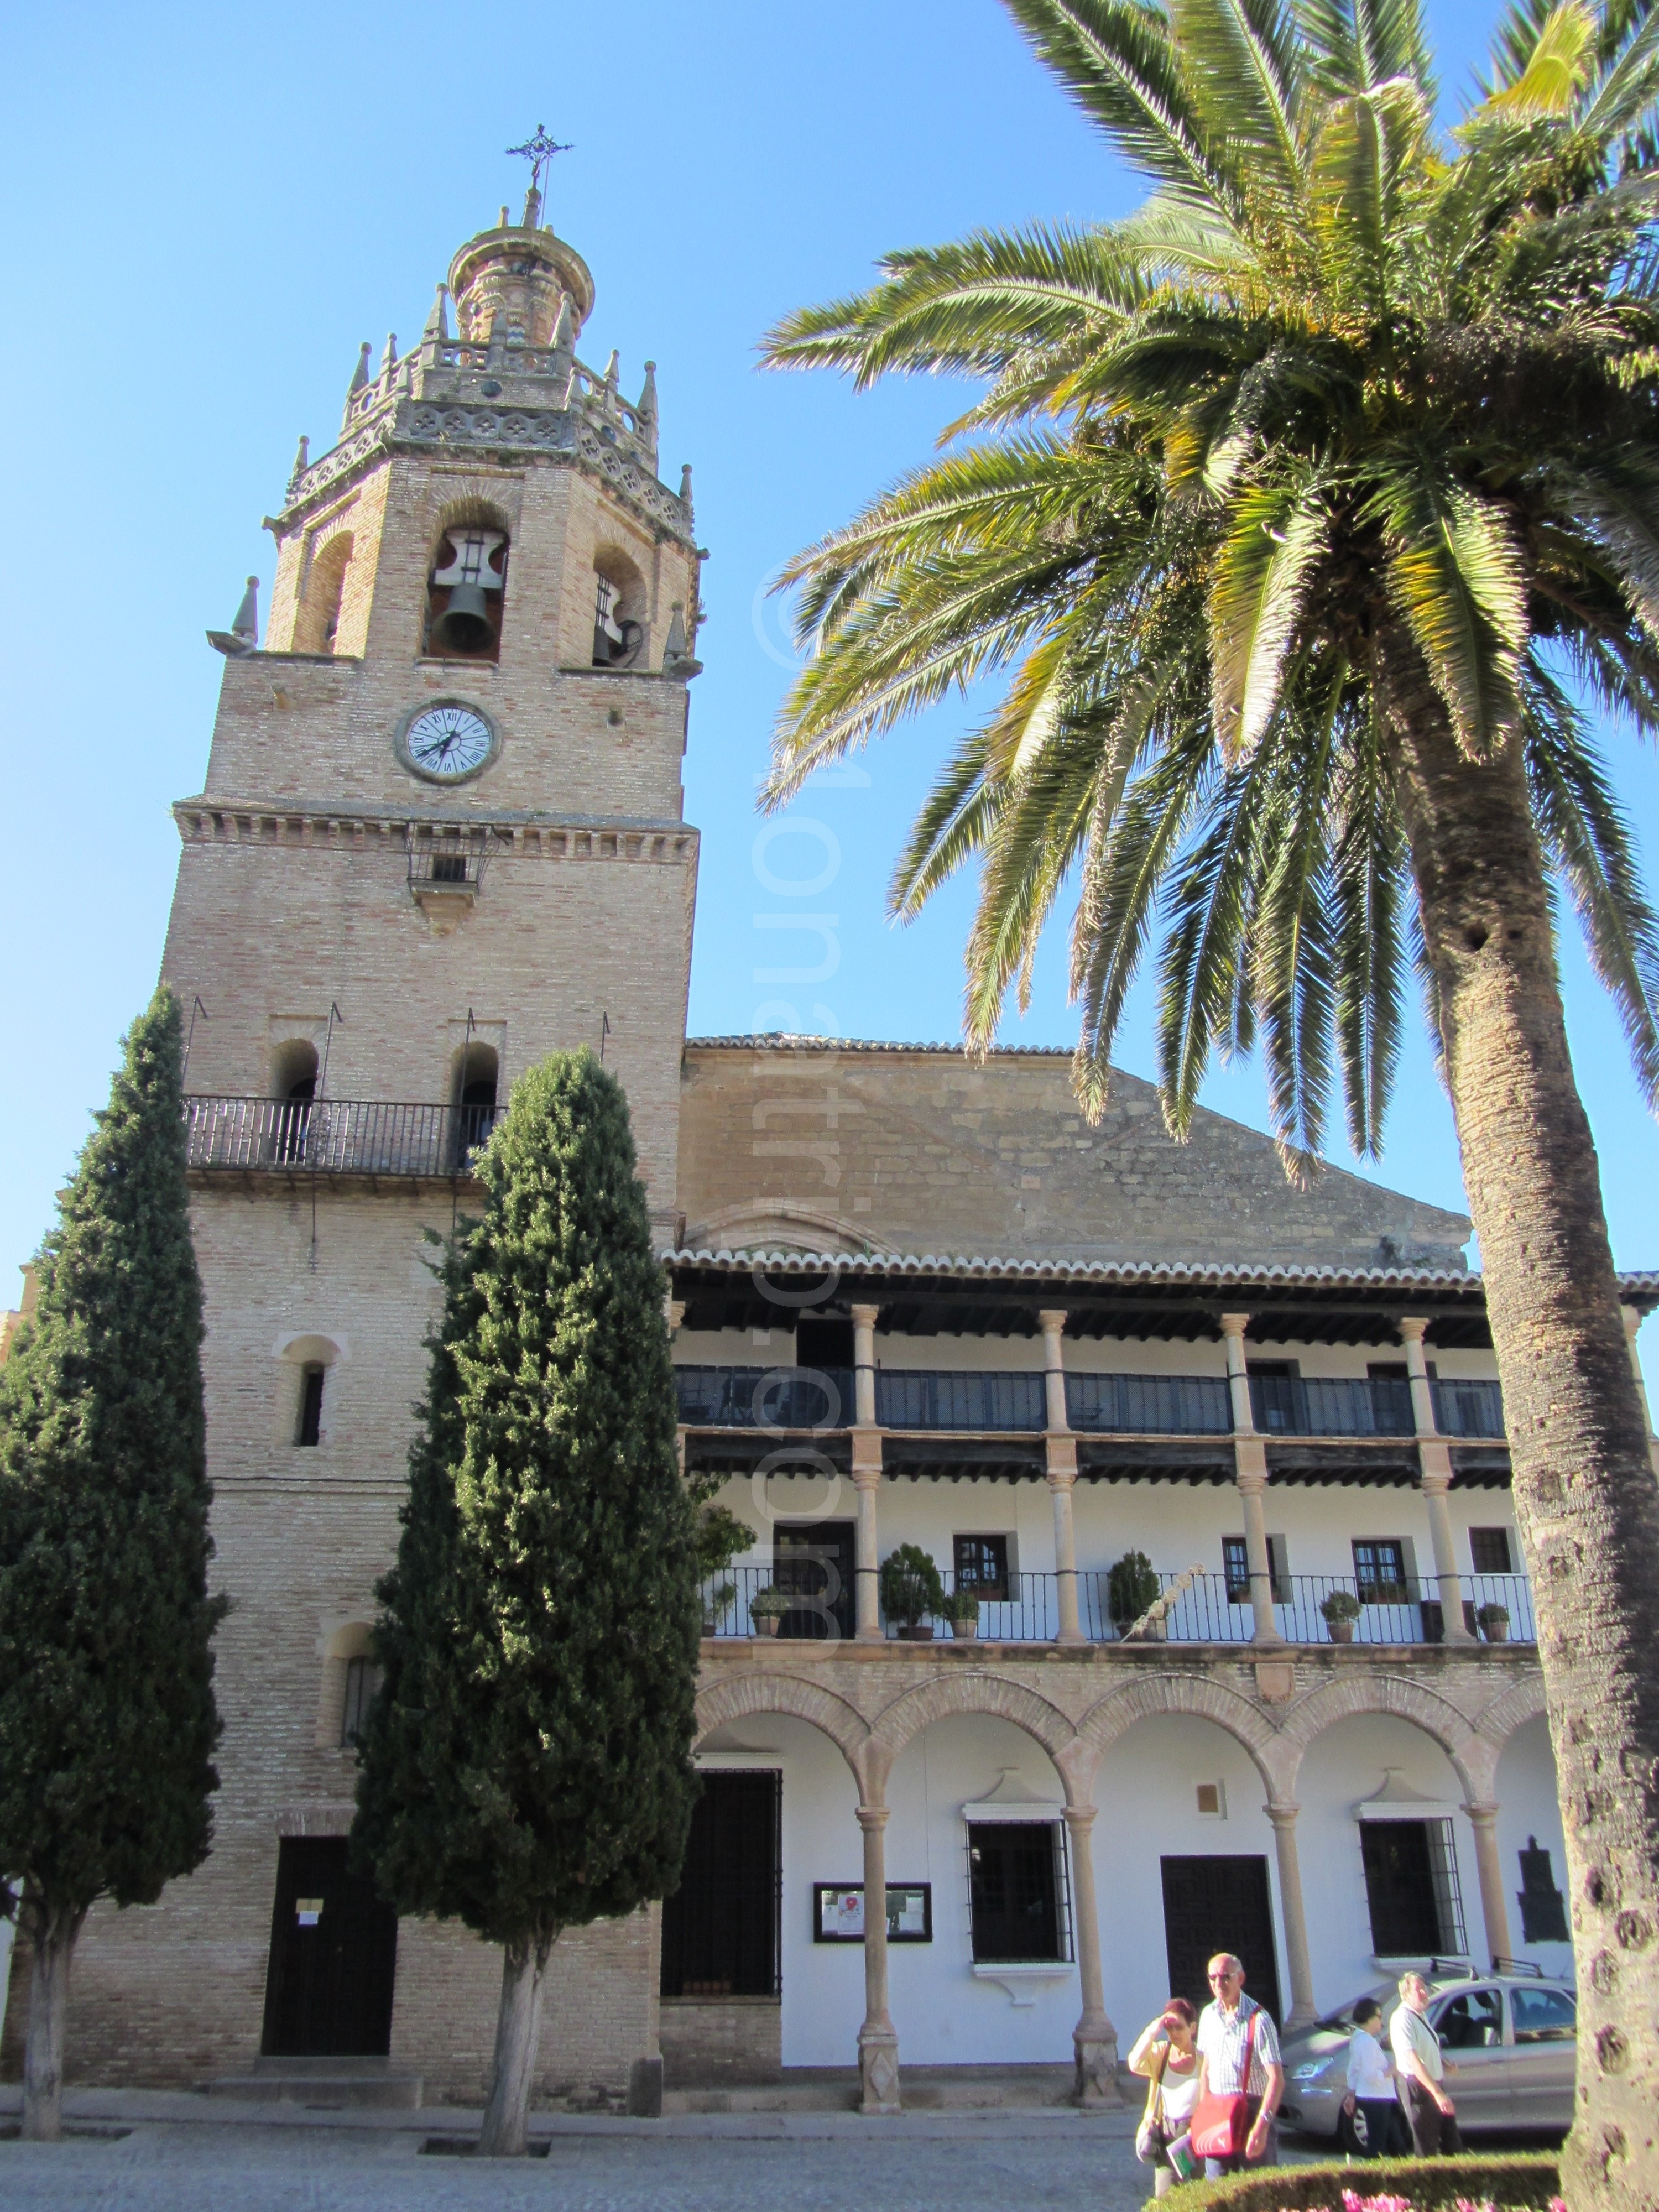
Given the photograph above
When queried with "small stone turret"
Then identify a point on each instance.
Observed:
(521, 276)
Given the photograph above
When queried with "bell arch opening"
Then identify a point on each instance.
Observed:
(466, 586)
(318, 620)
(619, 610)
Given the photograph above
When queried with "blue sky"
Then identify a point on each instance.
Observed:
(210, 208)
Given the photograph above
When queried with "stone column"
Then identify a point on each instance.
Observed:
(1303, 2011)
(1434, 1459)
(866, 1475)
(1632, 1321)
(1250, 1462)
(1093, 2039)
(878, 2074)
(1060, 1449)
(1494, 1905)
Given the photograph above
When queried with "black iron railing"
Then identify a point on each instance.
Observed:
(765, 1397)
(1206, 1608)
(1149, 1405)
(922, 1399)
(334, 1136)
(1315, 1406)
(1469, 1409)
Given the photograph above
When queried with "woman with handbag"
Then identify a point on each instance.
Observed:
(1241, 2076)
(1165, 2054)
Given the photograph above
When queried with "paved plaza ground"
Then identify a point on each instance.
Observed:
(946, 2162)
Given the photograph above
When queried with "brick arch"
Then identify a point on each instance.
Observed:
(1361, 1693)
(981, 1694)
(740, 1697)
(1522, 1702)
(1153, 1695)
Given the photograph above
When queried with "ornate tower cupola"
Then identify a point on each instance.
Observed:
(502, 398)
(514, 282)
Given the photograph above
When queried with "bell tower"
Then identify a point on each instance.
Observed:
(442, 816)
(441, 834)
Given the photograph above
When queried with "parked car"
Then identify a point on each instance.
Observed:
(1513, 2038)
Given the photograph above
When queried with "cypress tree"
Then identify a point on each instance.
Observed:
(526, 1765)
(107, 1721)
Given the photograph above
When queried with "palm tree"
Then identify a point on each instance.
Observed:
(1307, 510)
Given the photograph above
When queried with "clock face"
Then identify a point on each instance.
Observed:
(447, 743)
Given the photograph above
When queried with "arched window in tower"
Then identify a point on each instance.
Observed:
(319, 621)
(477, 1073)
(466, 593)
(294, 1080)
(618, 610)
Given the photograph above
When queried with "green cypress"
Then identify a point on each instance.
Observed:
(526, 1765)
(107, 1721)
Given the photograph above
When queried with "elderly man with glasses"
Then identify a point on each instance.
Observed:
(1225, 2034)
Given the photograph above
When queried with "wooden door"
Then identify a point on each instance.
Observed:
(333, 1957)
(813, 1562)
(1219, 1904)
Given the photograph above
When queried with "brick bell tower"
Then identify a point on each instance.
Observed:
(440, 835)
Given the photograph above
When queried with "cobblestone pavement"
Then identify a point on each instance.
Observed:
(941, 2163)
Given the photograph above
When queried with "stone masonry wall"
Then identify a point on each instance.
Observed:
(917, 1149)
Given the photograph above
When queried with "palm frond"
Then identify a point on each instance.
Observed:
(1125, 70)
(1587, 837)
(1260, 579)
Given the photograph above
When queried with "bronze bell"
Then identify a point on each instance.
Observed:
(464, 625)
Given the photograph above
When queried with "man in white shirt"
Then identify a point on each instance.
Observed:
(1229, 2026)
(1370, 2097)
(1422, 2067)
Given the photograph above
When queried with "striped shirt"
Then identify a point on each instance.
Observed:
(1221, 2039)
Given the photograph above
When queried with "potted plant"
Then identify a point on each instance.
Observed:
(962, 1611)
(1341, 1610)
(911, 1591)
(768, 1606)
(1494, 1620)
(716, 1596)
(1131, 1589)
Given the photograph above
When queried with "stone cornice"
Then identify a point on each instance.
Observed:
(478, 431)
(309, 825)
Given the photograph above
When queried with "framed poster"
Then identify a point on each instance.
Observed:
(838, 1912)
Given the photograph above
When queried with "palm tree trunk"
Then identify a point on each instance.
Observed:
(1586, 1499)
(518, 2038)
(51, 1935)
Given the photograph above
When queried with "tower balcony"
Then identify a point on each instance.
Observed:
(372, 1139)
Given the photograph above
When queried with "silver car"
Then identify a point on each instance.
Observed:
(1512, 2037)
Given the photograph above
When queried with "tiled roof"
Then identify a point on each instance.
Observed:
(793, 1041)
(1643, 1283)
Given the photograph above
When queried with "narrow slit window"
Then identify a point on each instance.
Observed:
(311, 1406)
(362, 1683)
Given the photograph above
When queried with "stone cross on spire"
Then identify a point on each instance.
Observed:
(539, 151)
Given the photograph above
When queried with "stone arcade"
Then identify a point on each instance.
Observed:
(441, 833)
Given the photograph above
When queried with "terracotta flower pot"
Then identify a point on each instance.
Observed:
(1497, 1631)
(1342, 1631)
(916, 1631)
(966, 1628)
(768, 1623)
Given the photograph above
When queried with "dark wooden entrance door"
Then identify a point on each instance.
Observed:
(720, 1929)
(333, 1957)
(814, 1562)
(1220, 1904)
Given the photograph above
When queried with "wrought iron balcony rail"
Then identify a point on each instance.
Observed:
(922, 1399)
(1315, 1406)
(1205, 1609)
(1149, 1405)
(334, 1136)
(765, 1397)
(1469, 1409)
